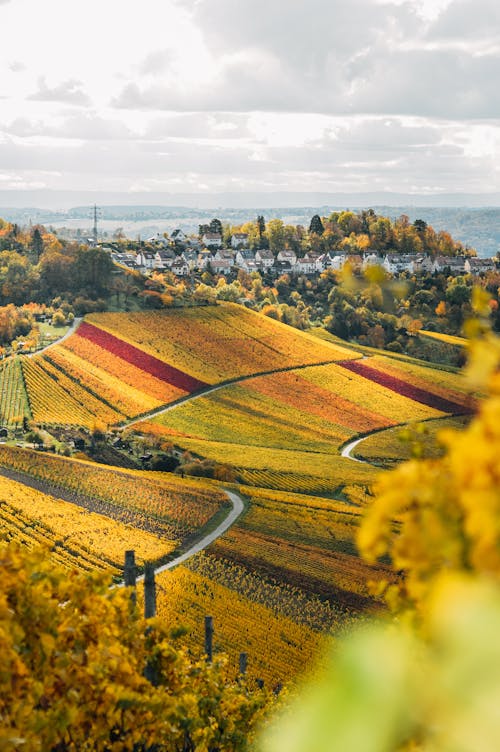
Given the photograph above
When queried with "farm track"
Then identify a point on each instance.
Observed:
(142, 522)
(215, 387)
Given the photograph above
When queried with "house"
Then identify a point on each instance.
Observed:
(204, 259)
(423, 265)
(178, 236)
(191, 257)
(125, 259)
(239, 240)
(164, 258)
(223, 254)
(145, 260)
(281, 267)
(158, 240)
(304, 266)
(398, 263)
(372, 259)
(475, 265)
(211, 240)
(244, 257)
(265, 258)
(335, 260)
(452, 264)
(220, 266)
(287, 255)
(180, 267)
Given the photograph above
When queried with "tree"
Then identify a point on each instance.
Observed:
(216, 226)
(93, 269)
(316, 225)
(74, 654)
(276, 235)
(37, 243)
(261, 229)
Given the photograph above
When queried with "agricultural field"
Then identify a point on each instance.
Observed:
(287, 573)
(284, 430)
(14, 404)
(449, 339)
(216, 343)
(115, 367)
(75, 537)
(390, 447)
(278, 648)
(176, 506)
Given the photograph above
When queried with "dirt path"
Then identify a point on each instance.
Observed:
(71, 330)
(140, 521)
(236, 511)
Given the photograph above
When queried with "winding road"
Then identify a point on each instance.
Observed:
(235, 499)
(238, 507)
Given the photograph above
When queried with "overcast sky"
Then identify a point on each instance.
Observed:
(250, 95)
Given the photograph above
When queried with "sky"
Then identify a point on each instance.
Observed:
(235, 96)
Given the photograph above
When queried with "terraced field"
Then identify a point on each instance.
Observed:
(288, 571)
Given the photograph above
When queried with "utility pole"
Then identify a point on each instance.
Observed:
(94, 233)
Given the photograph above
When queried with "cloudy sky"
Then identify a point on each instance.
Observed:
(200, 96)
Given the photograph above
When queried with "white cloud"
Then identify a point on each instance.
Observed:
(69, 91)
(323, 95)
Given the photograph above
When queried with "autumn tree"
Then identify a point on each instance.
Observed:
(74, 654)
(276, 235)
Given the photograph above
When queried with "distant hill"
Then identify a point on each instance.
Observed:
(475, 226)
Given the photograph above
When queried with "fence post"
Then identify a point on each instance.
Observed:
(243, 663)
(130, 573)
(209, 633)
(149, 591)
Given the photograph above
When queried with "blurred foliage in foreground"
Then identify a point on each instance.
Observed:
(74, 654)
(428, 678)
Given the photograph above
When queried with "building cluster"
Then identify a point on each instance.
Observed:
(184, 256)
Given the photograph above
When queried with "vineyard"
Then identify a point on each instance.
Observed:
(13, 400)
(288, 572)
(75, 537)
(181, 507)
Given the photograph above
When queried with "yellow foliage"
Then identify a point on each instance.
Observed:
(444, 514)
(72, 677)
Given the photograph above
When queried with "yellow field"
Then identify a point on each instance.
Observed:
(76, 537)
(449, 339)
(220, 342)
(182, 506)
(278, 648)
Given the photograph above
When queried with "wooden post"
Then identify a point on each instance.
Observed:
(149, 591)
(209, 633)
(129, 571)
(243, 663)
(129, 575)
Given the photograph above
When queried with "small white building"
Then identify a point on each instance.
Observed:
(211, 239)
(475, 265)
(178, 236)
(264, 257)
(398, 263)
(145, 260)
(454, 264)
(239, 240)
(244, 258)
(164, 259)
(220, 266)
(287, 255)
(180, 267)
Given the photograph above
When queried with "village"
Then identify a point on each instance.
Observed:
(185, 255)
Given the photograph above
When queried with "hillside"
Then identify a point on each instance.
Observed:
(239, 397)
